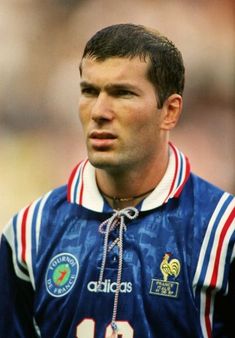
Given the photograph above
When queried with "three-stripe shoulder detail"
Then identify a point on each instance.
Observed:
(216, 253)
(22, 234)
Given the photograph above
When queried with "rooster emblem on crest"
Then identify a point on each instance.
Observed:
(169, 268)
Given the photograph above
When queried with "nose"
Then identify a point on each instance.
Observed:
(102, 109)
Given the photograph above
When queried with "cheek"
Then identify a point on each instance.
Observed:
(144, 121)
(83, 113)
(146, 131)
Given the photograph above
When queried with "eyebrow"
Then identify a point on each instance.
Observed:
(87, 84)
(110, 86)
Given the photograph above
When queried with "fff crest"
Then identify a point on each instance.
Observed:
(170, 269)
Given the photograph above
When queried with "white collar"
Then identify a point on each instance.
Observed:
(83, 190)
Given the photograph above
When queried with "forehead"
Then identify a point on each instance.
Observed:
(115, 68)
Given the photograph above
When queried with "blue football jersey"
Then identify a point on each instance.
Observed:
(69, 264)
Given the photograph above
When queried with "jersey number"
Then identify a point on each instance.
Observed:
(87, 329)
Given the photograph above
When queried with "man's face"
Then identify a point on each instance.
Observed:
(119, 114)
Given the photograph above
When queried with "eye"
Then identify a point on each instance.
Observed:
(89, 91)
(123, 93)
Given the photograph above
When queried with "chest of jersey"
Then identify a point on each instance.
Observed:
(159, 258)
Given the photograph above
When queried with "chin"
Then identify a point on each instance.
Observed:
(101, 161)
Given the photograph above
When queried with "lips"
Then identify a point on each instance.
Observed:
(101, 135)
(102, 139)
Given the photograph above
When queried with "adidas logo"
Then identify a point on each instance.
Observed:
(107, 286)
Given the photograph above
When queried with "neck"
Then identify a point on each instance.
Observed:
(123, 202)
(127, 188)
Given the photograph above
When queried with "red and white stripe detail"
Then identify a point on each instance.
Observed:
(214, 275)
(22, 254)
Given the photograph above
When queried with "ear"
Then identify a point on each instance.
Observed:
(171, 109)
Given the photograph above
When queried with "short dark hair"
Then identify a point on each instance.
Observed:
(166, 70)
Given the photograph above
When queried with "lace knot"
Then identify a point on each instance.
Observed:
(118, 216)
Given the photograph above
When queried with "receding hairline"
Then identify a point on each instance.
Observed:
(143, 58)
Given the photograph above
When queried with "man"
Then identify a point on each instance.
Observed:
(135, 245)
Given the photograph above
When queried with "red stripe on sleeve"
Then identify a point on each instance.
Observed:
(220, 244)
(207, 314)
(23, 235)
(215, 272)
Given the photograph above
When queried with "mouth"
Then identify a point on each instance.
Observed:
(101, 140)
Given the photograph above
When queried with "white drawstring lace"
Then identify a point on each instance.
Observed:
(105, 228)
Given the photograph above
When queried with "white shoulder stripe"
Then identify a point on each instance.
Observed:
(39, 218)
(18, 239)
(10, 237)
(30, 232)
(207, 238)
(215, 246)
(15, 231)
(28, 236)
(213, 258)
